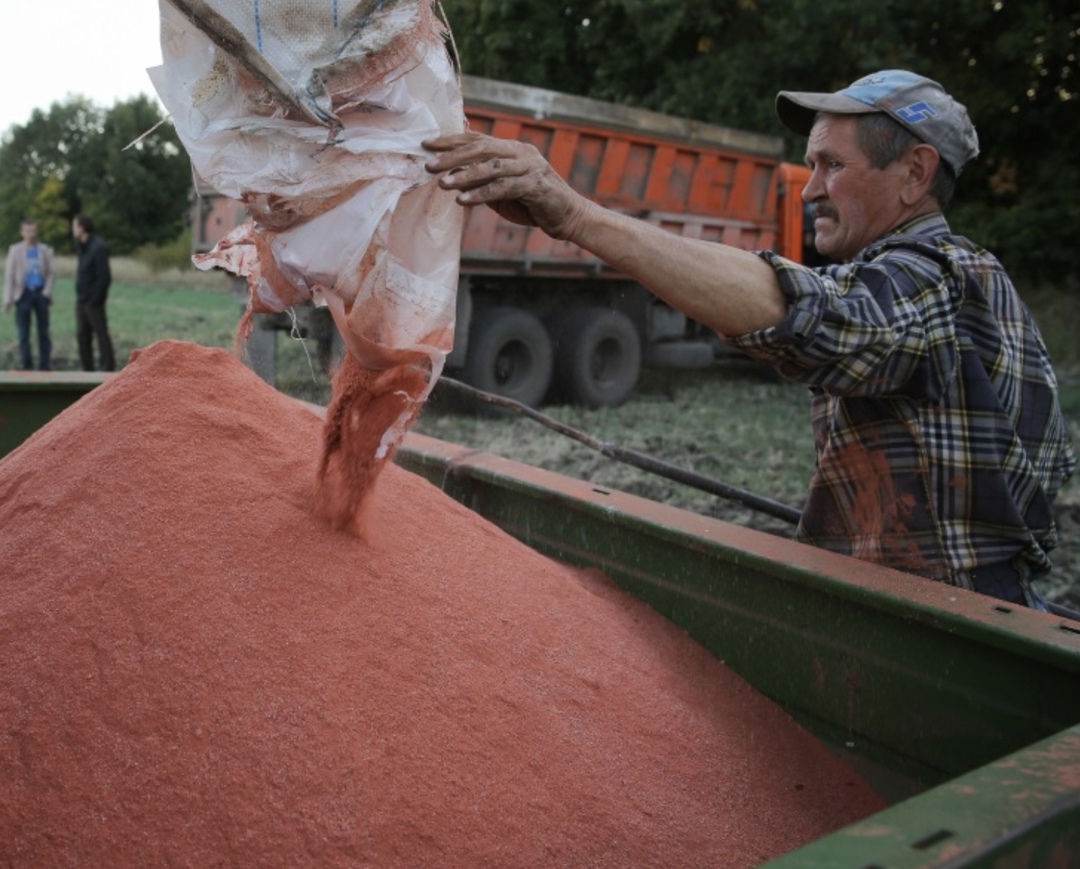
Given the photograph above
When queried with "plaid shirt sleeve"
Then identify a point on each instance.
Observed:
(941, 443)
(880, 324)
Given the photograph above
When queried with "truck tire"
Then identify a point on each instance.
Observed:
(509, 355)
(597, 356)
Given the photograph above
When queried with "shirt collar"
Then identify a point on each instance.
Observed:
(931, 223)
(928, 225)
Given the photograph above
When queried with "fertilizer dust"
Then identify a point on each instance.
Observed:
(312, 116)
(197, 671)
(365, 405)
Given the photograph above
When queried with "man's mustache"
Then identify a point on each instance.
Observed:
(823, 209)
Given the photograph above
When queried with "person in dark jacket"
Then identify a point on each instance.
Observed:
(92, 280)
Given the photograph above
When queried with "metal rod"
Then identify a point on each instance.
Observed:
(1062, 611)
(631, 457)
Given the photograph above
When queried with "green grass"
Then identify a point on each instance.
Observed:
(139, 315)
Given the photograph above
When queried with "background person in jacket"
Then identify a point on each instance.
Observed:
(28, 286)
(93, 277)
(940, 439)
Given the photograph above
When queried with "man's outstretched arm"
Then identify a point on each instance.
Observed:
(731, 291)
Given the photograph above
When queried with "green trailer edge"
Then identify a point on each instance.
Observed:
(30, 399)
(963, 712)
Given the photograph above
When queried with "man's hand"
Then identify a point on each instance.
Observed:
(729, 290)
(513, 178)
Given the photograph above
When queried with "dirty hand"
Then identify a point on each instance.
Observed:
(513, 178)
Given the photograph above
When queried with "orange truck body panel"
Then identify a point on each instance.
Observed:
(534, 312)
(694, 180)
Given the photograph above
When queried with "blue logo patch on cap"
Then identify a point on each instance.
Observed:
(916, 113)
(872, 89)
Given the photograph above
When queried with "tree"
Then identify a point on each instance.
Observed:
(1018, 71)
(49, 208)
(35, 154)
(142, 192)
(1014, 64)
(75, 158)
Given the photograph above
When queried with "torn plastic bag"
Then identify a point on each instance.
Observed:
(311, 113)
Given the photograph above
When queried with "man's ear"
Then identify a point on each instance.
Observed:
(922, 163)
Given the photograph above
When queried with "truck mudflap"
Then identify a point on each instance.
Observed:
(963, 712)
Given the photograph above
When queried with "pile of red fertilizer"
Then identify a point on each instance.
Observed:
(197, 672)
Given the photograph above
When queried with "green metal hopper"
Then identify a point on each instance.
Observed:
(963, 712)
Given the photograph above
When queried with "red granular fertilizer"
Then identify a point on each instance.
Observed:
(365, 423)
(197, 671)
(365, 405)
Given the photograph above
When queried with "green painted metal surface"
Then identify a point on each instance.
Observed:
(1021, 811)
(963, 712)
(29, 400)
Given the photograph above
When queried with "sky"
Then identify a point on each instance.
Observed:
(99, 49)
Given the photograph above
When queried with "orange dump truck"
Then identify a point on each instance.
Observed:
(538, 317)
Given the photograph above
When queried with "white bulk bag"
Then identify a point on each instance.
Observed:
(311, 113)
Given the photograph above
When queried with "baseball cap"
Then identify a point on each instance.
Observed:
(918, 104)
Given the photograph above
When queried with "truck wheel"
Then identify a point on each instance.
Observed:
(597, 356)
(509, 355)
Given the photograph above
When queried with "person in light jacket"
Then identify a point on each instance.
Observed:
(92, 280)
(29, 276)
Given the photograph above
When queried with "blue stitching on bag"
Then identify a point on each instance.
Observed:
(258, 28)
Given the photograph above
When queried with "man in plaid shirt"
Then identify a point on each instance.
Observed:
(940, 439)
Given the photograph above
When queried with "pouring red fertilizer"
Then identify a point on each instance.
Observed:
(312, 116)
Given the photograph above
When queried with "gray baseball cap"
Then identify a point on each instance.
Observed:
(918, 104)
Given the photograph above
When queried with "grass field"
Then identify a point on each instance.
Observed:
(736, 423)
